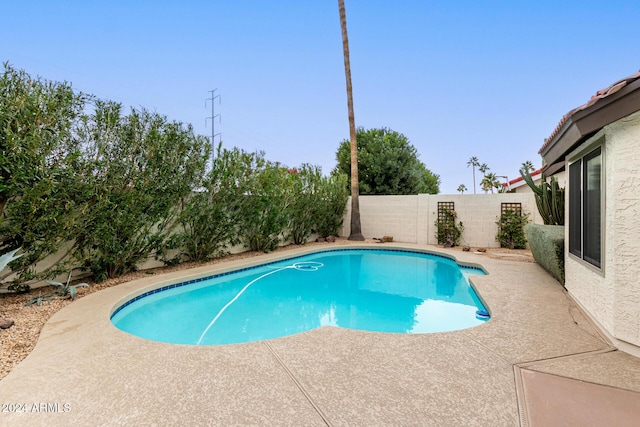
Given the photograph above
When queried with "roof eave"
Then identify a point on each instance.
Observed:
(584, 123)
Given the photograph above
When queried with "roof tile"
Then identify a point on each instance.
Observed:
(601, 94)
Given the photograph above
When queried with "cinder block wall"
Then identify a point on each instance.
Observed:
(412, 219)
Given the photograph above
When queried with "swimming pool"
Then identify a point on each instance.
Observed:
(381, 290)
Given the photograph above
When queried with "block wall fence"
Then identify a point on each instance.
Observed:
(411, 219)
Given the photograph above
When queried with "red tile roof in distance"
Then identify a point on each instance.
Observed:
(518, 179)
(602, 93)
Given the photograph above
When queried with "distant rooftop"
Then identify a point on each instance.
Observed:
(518, 179)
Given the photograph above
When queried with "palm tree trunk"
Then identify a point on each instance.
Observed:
(474, 179)
(356, 231)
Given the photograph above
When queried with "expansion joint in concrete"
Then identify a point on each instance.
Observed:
(298, 384)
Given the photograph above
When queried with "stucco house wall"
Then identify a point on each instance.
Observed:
(609, 294)
(613, 295)
(626, 223)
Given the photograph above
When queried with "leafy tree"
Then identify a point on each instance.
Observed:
(428, 182)
(137, 169)
(388, 164)
(356, 227)
(473, 162)
(38, 203)
(462, 188)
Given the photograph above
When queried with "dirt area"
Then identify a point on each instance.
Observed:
(522, 255)
(17, 341)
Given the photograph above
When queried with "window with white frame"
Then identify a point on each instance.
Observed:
(585, 207)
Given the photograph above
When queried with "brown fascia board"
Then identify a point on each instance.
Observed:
(564, 141)
(549, 170)
(582, 124)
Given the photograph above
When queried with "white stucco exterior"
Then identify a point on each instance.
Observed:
(612, 295)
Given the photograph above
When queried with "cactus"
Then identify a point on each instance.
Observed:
(549, 198)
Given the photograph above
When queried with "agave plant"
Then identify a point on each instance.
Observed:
(549, 198)
(38, 300)
(67, 290)
(8, 257)
(5, 259)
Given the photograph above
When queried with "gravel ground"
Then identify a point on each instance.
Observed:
(17, 342)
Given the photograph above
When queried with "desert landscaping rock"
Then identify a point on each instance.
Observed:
(6, 323)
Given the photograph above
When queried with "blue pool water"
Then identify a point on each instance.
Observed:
(374, 290)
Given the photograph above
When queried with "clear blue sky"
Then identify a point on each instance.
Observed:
(459, 78)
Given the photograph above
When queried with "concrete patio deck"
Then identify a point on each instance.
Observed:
(538, 362)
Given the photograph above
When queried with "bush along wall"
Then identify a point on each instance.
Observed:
(117, 188)
(448, 232)
(137, 168)
(210, 218)
(511, 229)
(318, 203)
(38, 201)
(547, 246)
(550, 202)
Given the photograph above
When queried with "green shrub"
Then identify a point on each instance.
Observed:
(511, 230)
(38, 203)
(547, 247)
(118, 188)
(137, 170)
(306, 187)
(448, 232)
(210, 218)
(318, 203)
(266, 211)
(331, 203)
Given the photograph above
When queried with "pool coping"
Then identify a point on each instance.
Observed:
(188, 280)
(327, 376)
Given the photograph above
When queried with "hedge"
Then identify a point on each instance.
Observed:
(547, 246)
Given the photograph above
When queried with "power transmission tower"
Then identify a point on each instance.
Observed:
(213, 122)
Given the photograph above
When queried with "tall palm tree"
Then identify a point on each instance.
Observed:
(475, 163)
(462, 188)
(527, 166)
(484, 168)
(489, 182)
(356, 231)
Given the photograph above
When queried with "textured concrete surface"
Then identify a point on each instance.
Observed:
(84, 371)
(555, 401)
